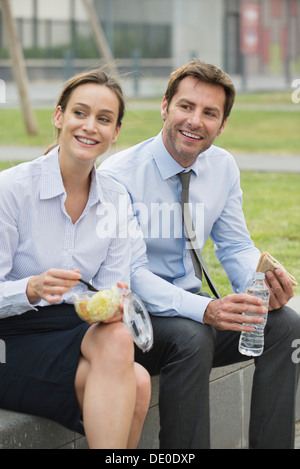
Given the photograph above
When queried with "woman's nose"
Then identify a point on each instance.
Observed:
(90, 124)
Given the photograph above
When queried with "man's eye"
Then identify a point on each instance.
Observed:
(210, 114)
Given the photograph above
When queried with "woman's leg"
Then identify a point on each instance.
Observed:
(113, 396)
(143, 395)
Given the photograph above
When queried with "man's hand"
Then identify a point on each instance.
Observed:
(226, 313)
(281, 289)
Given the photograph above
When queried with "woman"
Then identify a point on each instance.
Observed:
(54, 213)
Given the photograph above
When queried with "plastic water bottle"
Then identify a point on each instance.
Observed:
(252, 343)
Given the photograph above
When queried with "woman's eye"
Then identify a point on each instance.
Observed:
(79, 113)
(104, 119)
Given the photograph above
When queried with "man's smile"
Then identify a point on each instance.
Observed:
(191, 135)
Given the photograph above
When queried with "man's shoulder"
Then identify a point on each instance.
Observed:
(123, 161)
(215, 151)
(110, 187)
(226, 159)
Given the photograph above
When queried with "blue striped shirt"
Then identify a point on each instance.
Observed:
(36, 233)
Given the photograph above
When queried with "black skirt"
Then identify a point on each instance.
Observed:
(42, 354)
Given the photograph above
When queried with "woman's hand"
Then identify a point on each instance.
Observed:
(51, 285)
(118, 316)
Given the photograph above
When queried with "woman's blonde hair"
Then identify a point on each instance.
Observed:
(100, 76)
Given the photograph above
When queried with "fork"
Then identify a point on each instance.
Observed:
(90, 287)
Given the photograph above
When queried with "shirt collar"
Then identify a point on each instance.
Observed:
(51, 180)
(52, 183)
(166, 164)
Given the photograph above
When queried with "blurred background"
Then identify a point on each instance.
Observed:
(256, 41)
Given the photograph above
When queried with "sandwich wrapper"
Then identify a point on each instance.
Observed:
(268, 262)
(96, 307)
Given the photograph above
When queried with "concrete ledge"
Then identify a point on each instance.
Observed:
(228, 392)
(230, 389)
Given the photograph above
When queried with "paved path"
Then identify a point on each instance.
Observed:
(246, 162)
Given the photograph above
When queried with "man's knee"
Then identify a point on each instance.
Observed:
(185, 336)
(284, 322)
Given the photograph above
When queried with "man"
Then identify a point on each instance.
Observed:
(193, 333)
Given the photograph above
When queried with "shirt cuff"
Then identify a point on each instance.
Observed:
(13, 298)
(193, 306)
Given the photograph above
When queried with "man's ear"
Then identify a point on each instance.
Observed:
(164, 108)
(221, 130)
(58, 117)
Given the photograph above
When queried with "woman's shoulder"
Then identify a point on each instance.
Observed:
(22, 170)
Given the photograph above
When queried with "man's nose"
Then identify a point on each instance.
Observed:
(195, 120)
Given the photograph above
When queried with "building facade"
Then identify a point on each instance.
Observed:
(253, 37)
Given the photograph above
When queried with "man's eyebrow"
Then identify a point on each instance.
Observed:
(186, 101)
(207, 108)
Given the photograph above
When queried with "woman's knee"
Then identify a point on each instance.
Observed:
(108, 343)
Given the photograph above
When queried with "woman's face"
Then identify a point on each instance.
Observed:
(89, 123)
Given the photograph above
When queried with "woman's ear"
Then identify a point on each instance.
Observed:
(116, 133)
(58, 117)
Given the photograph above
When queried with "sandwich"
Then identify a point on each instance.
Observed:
(268, 262)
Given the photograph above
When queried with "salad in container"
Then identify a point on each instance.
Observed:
(102, 305)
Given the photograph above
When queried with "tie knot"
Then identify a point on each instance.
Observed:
(185, 179)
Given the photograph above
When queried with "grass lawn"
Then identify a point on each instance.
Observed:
(272, 212)
(248, 130)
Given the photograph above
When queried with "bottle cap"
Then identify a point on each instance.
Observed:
(259, 275)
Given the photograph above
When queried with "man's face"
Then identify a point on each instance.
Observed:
(193, 119)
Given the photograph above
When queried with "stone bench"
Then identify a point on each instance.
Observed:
(228, 392)
(230, 403)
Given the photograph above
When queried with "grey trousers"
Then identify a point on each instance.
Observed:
(184, 353)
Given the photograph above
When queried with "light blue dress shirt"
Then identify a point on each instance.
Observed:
(150, 176)
(36, 233)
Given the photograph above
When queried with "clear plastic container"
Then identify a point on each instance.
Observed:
(96, 307)
(136, 318)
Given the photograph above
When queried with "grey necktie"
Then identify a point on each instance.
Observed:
(197, 259)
